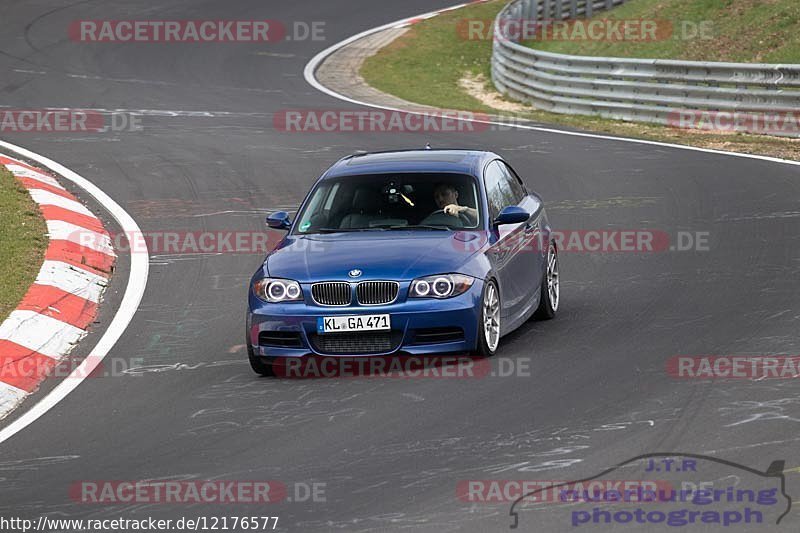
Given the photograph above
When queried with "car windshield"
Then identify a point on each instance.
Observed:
(391, 202)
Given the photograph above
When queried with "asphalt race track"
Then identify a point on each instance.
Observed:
(389, 452)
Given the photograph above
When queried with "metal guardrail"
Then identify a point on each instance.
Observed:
(746, 95)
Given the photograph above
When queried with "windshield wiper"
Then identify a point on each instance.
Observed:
(382, 227)
(416, 226)
(345, 230)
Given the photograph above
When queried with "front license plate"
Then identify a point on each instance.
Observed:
(340, 324)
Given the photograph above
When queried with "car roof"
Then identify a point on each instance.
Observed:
(451, 161)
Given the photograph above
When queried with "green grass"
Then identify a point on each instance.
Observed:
(425, 65)
(745, 31)
(22, 242)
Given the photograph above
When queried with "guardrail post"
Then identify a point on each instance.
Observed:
(559, 11)
(589, 8)
(522, 12)
(532, 29)
(529, 13)
(609, 4)
(517, 13)
(546, 11)
(573, 9)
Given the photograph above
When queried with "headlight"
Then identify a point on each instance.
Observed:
(277, 290)
(440, 286)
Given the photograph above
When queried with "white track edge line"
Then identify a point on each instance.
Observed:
(137, 282)
(309, 72)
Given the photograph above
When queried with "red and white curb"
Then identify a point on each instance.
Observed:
(57, 309)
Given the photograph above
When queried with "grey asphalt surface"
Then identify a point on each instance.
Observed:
(390, 452)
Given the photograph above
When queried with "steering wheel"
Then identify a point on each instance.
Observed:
(465, 220)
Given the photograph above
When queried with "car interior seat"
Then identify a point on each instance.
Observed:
(366, 208)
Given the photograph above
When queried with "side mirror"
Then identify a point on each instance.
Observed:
(512, 215)
(279, 220)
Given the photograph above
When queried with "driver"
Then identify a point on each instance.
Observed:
(446, 198)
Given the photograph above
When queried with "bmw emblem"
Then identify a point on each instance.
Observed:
(354, 273)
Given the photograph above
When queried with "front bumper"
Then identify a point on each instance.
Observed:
(418, 327)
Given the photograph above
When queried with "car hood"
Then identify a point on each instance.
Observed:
(395, 255)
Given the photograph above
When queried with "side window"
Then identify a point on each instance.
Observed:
(495, 195)
(517, 188)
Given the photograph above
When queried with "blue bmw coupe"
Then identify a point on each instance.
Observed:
(419, 252)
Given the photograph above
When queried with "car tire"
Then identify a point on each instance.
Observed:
(487, 347)
(550, 295)
(261, 365)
